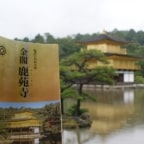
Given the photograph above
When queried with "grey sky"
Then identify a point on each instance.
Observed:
(21, 18)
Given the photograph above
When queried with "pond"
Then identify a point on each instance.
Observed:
(118, 118)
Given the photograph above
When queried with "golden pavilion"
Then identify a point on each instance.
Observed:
(117, 56)
(24, 128)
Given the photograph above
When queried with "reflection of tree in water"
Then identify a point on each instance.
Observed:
(111, 109)
(114, 96)
(139, 102)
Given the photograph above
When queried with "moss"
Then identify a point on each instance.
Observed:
(69, 123)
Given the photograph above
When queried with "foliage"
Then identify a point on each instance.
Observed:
(139, 80)
(76, 70)
(82, 74)
(69, 45)
(71, 110)
(49, 38)
(69, 93)
(65, 77)
(38, 39)
(66, 82)
(3, 131)
(141, 64)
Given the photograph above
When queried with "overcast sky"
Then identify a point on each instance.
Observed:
(27, 18)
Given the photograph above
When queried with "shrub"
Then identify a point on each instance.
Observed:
(139, 80)
(71, 111)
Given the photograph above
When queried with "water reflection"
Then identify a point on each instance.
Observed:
(129, 96)
(118, 117)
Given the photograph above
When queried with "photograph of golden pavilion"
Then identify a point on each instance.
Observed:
(24, 128)
(30, 125)
(114, 50)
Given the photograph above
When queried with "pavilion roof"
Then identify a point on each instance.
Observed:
(103, 37)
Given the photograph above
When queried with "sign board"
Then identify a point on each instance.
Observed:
(29, 87)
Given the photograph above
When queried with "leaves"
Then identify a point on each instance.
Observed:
(69, 45)
(76, 69)
(69, 93)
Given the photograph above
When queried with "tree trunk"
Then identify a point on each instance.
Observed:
(62, 106)
(77, 111)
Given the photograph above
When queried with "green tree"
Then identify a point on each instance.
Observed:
(131, 35)
(66, 82)
(140, 37)
(81, 73)
(67, 46)
(26, 39)
(49, 38)
(38, 39)
(141, 71)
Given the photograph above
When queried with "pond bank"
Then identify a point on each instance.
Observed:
(118, 86)
(83, 121)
